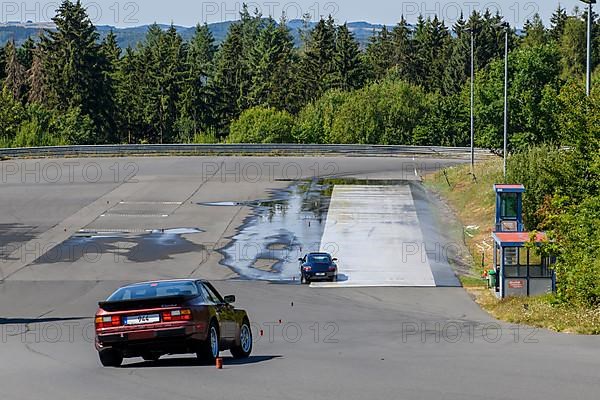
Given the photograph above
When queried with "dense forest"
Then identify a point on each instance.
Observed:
(410, 85)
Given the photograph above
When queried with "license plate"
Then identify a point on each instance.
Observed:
(141, 319)
(321, 274)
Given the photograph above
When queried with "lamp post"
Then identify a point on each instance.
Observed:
(588, 77)
(472, 32)
(506, 27)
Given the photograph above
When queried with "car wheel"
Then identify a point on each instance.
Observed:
(302, 279)
(110, 358)
(245, 347)
(209, 350)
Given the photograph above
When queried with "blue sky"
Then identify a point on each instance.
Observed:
(188, 12)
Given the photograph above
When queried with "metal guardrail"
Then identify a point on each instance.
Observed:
(236, 149)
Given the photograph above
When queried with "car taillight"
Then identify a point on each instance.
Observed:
(331, 269)
(307, 268)
(108, 321)
(177, 315)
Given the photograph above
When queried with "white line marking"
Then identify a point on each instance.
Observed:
(168, 203)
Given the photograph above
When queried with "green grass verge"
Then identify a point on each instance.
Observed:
(473, 201)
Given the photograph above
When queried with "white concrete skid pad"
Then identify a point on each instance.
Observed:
(369, 229)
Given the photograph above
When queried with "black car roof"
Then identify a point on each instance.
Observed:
(163, 281)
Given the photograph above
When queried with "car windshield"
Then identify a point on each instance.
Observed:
(319, 258)
(156, 289)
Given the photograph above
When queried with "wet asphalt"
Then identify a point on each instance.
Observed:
(347, 343)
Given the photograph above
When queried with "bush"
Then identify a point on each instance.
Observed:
(445, 124)
(316, 119)
(262, 125)
(11, 116)
(545, 171)
(206, 138)
(533, 88)
(382, 113)
(578, 234)
(45, 127)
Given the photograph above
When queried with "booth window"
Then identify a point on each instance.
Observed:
(509, 205)
(511, 262)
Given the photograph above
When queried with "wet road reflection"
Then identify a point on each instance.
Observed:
(154, 245)
(278, 232)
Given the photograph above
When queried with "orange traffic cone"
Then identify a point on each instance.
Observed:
(219, 363)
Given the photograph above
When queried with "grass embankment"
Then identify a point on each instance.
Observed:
(473, 201)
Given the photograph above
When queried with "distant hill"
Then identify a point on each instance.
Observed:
(19, 32)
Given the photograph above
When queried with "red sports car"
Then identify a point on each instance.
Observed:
(152, 319)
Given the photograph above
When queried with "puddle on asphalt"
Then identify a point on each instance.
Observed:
(153, 245)
(278, 232)
(283, 228)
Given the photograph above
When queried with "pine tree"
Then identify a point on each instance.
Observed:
(111, 55)
(74, 66)
(197, 97)
(458, 64)
(2, 63)
(129, 96)
(36, 79)
(230, 72)
(558, 21)
(269, 60)
(163, 54)
(14, 71)
(535, 32)
(380, 54)
(489, 37)
(421, 53)
(571, 44)
(401, 43)
(233, 76)
(251, 26)
(25, 53)
(317, 69)
(439, 47)
(349, 71)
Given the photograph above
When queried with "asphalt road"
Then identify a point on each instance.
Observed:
(346, 343)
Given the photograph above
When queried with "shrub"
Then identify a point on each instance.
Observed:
(262, 125)
(315, 121)
(11, 116)
(578, 234)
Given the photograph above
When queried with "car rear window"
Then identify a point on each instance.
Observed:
(152, 290)
(320, 258)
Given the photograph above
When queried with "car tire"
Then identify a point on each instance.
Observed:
(334, 278)
(110, 358)
(245, 347)
(210, 348)
(303, 280)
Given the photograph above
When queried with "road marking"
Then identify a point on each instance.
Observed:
(134, 215)
(166, 203)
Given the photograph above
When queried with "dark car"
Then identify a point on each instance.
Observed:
(153, 319)
(317, 267)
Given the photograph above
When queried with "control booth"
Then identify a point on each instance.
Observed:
(519, 270)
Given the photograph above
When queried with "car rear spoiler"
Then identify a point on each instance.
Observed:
(154, 302)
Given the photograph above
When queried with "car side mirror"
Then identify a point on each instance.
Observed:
(301, 259)
(230, 299)
(335, 259)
